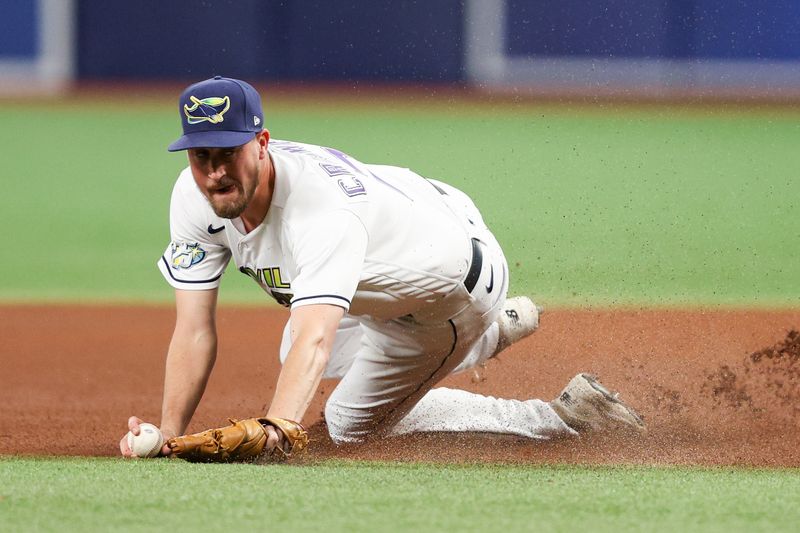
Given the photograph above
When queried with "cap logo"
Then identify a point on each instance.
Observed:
(207, 109)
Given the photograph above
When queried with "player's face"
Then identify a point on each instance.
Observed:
(228, 177)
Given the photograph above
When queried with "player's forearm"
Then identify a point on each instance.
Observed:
(299, 379)
(189, 363)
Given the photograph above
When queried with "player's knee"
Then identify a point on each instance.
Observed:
(342, 422)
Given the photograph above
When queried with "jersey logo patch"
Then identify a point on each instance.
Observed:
(206, 110)
(185, 255)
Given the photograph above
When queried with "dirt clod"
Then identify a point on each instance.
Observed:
(727, 389)
(767, 380)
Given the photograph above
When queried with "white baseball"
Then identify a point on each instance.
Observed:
(148, 442)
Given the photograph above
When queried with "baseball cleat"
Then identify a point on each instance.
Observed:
(586, 405)
(519, 317)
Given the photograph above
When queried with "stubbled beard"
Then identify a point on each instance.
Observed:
(232, 208)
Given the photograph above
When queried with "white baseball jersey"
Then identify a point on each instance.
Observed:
(376, 240)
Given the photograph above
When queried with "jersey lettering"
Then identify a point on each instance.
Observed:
(249, 272)
(352, 186)
(344, 158)
(289, 146)
(349, 184)
(283, 298)
(276, 276)
(334, 170)
(271, 277)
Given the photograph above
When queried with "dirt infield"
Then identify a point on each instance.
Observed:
(715, 387)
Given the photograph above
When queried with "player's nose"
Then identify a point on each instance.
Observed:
(216, 173)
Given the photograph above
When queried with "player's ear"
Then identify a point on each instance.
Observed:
(263, 142)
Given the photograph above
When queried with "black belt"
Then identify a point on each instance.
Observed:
(475, 266)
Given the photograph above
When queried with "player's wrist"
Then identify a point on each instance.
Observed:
(170, 430)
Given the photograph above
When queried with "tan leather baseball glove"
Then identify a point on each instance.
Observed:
(243, 440)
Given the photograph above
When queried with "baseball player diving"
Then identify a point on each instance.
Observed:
(393, 281)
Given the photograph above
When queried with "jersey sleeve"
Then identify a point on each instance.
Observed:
(192, 260)
(328, 251)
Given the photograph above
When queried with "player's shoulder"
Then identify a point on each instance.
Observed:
(314, 177)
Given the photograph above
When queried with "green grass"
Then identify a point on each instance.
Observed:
(119, 495)
(598, 207)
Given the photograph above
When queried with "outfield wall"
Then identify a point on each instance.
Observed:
(637, 46)
(271, 40)
(37, 45)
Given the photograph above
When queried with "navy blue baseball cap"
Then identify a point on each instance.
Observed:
(218, 113)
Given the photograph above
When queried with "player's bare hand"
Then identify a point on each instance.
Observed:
(133, 427)
(274, 438)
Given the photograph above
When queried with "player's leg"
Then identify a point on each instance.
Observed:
(531, 418)
(584, 405)
(388, 390)
(476, 413)
(398, 362)
(454, 410)
(519, 318)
